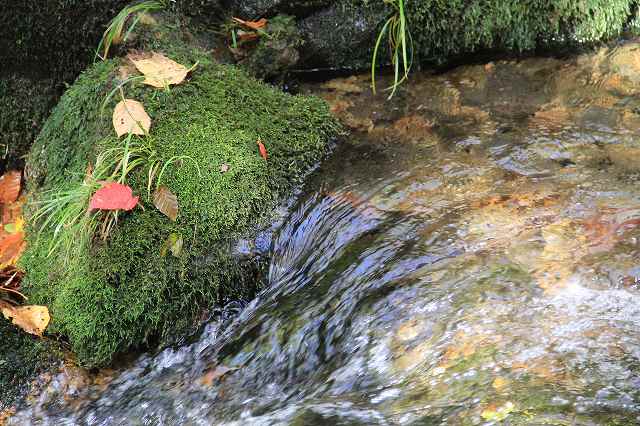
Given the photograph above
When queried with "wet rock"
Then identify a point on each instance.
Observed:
(278, 49)
(342, 35)
(254, 9)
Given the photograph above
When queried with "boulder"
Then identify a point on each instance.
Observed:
(132, 287)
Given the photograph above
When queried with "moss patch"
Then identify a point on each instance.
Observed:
(343, 34)
(124, 293)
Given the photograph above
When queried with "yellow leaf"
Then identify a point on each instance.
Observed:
(174, 244)
(129, 116)
(15, 227)
(32, 318)
(159, 71)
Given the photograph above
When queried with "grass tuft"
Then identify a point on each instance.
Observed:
(400, 46)
(113, 35)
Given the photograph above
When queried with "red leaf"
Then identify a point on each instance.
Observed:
(263, 150)
(10, 186)
(113, 196)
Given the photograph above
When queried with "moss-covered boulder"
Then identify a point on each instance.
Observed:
(129, 290)
(342, 33)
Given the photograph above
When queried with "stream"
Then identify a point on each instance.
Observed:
(469, 255)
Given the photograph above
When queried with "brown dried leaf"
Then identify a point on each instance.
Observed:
(11, 247)
(32, 318)
(159, 71)
(166, 202)
(129, 116)
(254, 25)
(10, 186)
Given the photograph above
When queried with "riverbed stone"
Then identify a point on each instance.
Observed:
(123, 290)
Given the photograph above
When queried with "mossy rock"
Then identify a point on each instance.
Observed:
(22, 357)
(342, 33)
(127, 292)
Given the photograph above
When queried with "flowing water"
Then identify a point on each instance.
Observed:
(468, 256)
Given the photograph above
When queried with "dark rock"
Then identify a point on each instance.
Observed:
(254, 9)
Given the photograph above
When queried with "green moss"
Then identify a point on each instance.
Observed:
(124, 293)
(444, 29)
(344, 33)
(22, 356)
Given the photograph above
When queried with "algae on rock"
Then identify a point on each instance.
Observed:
(127, 292)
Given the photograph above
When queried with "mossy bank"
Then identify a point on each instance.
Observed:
(128, 292)
(342, 33)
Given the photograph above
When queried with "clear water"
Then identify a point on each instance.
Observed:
(469, 256)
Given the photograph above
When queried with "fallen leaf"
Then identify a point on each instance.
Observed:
(10, 186)
(129, 116)
(176, 247)
(113, 196)
(11, 247)
(215, 374)
(173, 244)
(12, 212)
(224, 168)
(254, 25)
(32, 318)
(247, 36)
(15, 227)
(263, 149)
(159, 71)
(166, 202)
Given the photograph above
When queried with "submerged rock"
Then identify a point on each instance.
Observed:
(127, 291)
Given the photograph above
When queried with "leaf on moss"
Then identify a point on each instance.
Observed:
(254, 25)
(113, 196)
(159, 71)
(262, 149)
(224, 168)
(33, 319)
(173, 244)
(129, 116)
(10, 186)
(166, 202)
